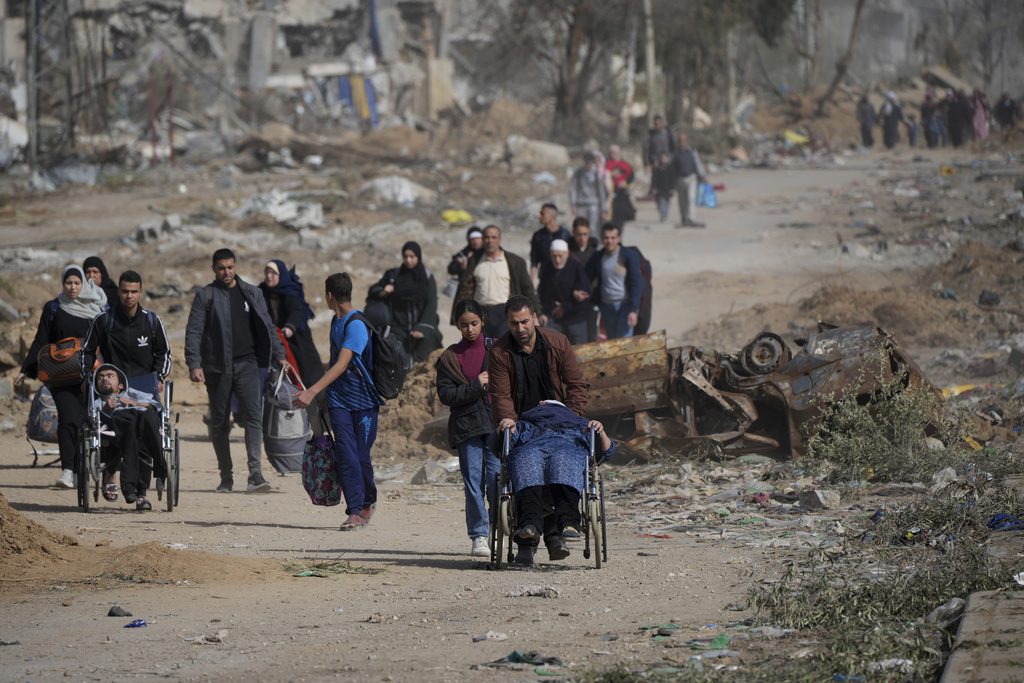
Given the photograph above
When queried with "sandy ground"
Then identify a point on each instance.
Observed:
(416, 616)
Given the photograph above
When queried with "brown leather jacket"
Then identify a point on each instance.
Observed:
(566, 376)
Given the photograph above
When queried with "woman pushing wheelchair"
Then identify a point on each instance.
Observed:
(538, 397)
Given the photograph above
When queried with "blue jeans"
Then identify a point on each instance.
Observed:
(480, 468)
(664, 204)
(615, 317)
(354, 434)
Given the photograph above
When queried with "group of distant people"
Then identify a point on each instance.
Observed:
(955, 119)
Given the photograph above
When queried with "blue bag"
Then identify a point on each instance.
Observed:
(706, 196)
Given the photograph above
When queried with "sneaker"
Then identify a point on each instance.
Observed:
(66, 480)
(226, 484)
(480, 547)
(142, 504)
(257, 484)
(557, 549)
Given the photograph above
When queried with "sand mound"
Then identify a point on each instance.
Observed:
(400, 427)
(26, 542)
(30, 551)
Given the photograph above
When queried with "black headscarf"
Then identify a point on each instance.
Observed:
(108, 286)
(289, 284)
(411, 283)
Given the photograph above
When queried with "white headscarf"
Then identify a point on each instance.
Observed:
(90, 301)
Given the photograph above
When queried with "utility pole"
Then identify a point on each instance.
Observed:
(629, 89)
(650, 70)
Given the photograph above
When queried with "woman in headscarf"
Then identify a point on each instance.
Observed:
(891, 114)
(286, 299)
(410, 293)
(69, 315)
(96, 271)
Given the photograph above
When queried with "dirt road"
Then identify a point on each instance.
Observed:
(416, 615)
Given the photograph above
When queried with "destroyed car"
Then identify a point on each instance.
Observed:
(763, 400)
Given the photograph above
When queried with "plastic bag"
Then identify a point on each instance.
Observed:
(706, 196)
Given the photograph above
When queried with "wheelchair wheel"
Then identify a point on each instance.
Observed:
(505, 517)
(82, 475)
(177, 468)
(596, 524)
(604, 527)
(497, 546)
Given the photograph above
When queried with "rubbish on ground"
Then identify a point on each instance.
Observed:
(531, 657)
(118, 611)
(138, 623)
(397, 190)
(657, 536)
(288, 212)
(213, 638)
(794, 138)
(1019, 579)
(903, 666)
(944, 615)
(532, 592)
(544, 178)
(490, 635)
(989, 298)
(456, 217)
(1005, 522)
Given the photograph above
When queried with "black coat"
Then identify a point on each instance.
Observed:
(557, 286)
(470, 415)
(288, 312)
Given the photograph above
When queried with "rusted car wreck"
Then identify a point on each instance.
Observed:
(763, 400)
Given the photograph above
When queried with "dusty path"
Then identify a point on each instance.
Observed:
(429, 596)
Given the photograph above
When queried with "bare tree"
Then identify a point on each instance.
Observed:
(843, 65)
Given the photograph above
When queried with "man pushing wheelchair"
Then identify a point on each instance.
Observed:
(538, 396)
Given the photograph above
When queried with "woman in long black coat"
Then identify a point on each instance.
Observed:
(410, 293)
(286, 299)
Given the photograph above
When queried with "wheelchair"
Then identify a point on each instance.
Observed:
(592, 510)
(90, 466)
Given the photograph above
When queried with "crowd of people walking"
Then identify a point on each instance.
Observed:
(953, 118)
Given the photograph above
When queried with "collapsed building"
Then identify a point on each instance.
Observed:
(92, 71)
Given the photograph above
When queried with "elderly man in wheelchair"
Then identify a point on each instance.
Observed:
(548, 462)
(130, 435)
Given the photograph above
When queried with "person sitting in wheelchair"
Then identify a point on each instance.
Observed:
(131, 419)
(548, 451)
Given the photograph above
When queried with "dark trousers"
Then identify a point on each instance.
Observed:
(136, 449)
(242, 382)
(551, 508)
(577, 331)
(354, 434)
(495, 320)
(70, 414)
(867, 135)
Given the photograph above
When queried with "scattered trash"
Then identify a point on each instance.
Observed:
(378, 618)
(946, 614)
(532, 592)
(1019, 579)
(903, 666)
(531, 657)
(138, 623)
(286, 211)
(456, 217)
(490, 635)
(656, 536)
(989, 298)
(118, 611)
(4, 643)
(544, 178)
(1005, 522)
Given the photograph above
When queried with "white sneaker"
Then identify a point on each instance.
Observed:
(480, 547)
(66, 480)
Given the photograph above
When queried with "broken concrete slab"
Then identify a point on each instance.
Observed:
(397, 190)
(535, 154)
(819, 499)
(290, 213)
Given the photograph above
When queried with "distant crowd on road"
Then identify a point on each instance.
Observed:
(953, 119)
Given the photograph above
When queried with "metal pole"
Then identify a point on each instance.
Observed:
(170, 116)
(152, 117)
(650, 70)
(32, 85)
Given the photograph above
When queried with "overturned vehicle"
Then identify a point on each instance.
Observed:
(765, 400)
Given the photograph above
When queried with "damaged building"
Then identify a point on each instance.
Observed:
(95, 70)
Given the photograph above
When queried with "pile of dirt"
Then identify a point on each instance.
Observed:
(402, 431)
(24, 542)
(503, 118)
(30, 551)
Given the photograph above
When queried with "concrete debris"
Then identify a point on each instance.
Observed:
(288, 212)
(8, 313)
(437, 472)
(818, 499)
(523, 152)
(398, 190)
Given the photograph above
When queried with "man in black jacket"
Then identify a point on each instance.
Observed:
(131, 338)
(540, 243)
(229, 337)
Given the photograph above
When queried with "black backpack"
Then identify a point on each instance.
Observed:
(391, 363)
